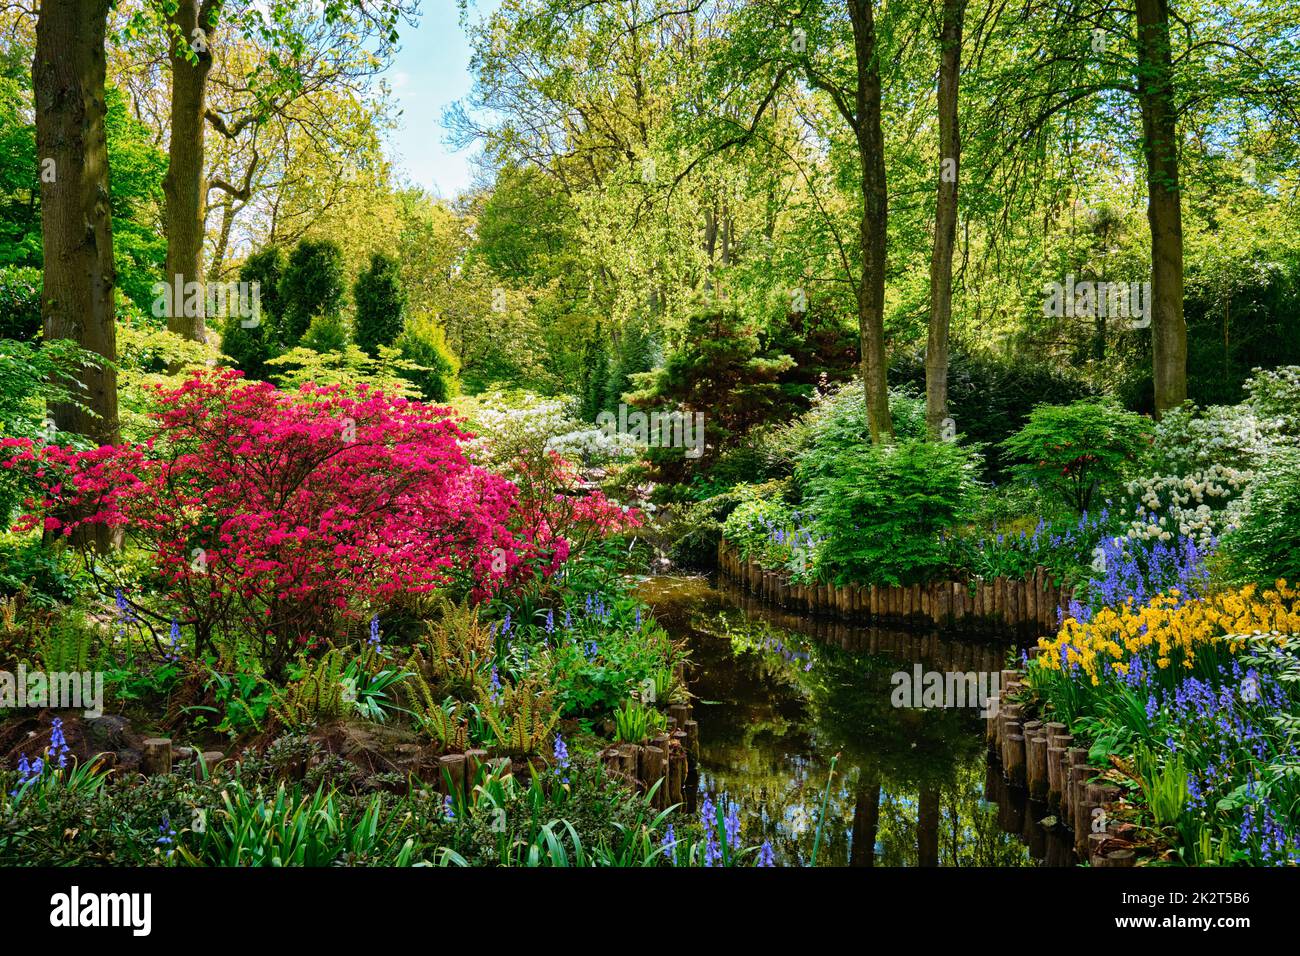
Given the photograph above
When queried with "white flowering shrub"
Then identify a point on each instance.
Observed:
(1274, 396)
(1206, 459)
(596, 446)
(511, 424)
(1200, 506)
(1188, 440)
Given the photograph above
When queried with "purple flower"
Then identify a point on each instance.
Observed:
(58, 748)
(765, 855)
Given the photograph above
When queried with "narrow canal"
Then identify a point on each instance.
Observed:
(778, 697)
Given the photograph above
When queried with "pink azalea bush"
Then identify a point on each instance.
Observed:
(281, 515)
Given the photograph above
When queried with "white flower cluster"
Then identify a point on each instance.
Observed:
(595, 446)
(1190, 439)
(1201, 506)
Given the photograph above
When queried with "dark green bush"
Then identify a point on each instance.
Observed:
(1075, 451)
(989, 399)
(425, 343)
(381, 304)
(1266, 544)
(312, 285)
(879, 513)
(20, 303)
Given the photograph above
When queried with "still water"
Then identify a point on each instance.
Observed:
(779, 696)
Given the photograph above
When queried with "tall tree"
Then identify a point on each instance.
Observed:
(77, 300)
(945, 216)
(194, 22)
(858, 101)
(1164, 203)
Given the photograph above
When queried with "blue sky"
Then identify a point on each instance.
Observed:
(431, 71)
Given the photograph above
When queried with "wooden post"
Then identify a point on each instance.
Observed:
(157, 756)
(1036, 767)
(676, 776)
(1014, 758)
(693, 741)
(451, 766)
(1056, 757)
(652, 771)
(680, 713)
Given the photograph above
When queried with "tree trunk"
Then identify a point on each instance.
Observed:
(945, 218)
(1164, 209)
(228, 212)
(184, 186)
(77, 300)
(927, 827)
(875, 219)
(866, 821)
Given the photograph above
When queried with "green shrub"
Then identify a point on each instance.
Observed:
(327, 333)
(312, 285)
(1266, 545)
(1077, 450)
(425, 343)
(836, 429)
(251, 348)
(381, 304)
(989, 398)
(696, 530)
(879, 514)
(266, 268)
(20, 303)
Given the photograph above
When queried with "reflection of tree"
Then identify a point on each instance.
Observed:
(866, 819)
(908, 786)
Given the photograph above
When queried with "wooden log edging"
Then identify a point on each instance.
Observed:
(667, 759)
(1041, 757)
(1028, 604)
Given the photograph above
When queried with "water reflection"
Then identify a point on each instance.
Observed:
(780, 695)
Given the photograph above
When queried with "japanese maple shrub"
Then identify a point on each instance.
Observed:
(275, 517)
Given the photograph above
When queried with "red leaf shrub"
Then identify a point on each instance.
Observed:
(278, 516)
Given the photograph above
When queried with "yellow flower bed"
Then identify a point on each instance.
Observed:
(1175, 633)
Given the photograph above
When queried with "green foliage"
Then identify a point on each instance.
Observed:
(347, 366)
(696, 529)
(720, 367)
(635, 723)
(1164, 783)
(67, 645)
(290, 827)
(635, 356)
(1266, 544)
(1079, 450)
(250, 348)
(20, 303)
(312, 285)
(327, 334)
(522, 717)
(880, 516)
(44, 574)
(381, 304)
(990, 397)
(423, 343)
(594, 375)
(266, 268)
(318, 695)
